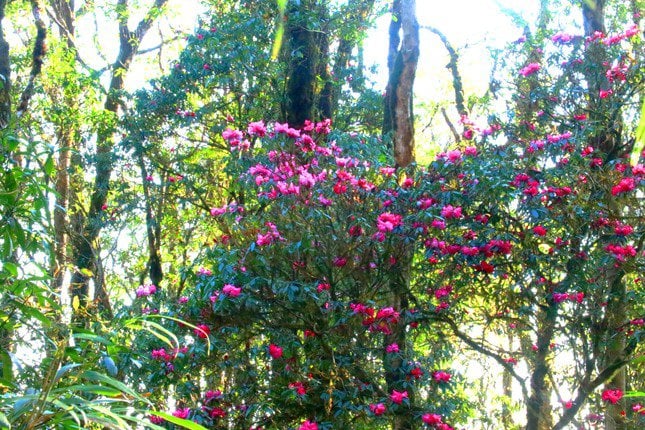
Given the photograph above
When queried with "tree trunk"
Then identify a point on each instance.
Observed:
(5, 73)
(85, 251)
(607, 139)
(615, 348)
(67, 144)
(395, 375)
(537, 418)
(304, 63)
(153, 228)
(402, 63)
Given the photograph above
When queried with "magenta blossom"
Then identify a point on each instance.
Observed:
(612, 396)
(275, 351)
(308, 425)
(182, 413)
(530, 69)
(146, 290)
(387, 221)
(231, 290)
(378, 408)
(398, 396)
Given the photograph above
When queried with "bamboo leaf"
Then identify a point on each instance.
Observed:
(179, 421)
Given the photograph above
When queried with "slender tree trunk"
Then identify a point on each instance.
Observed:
(85, 251)
(67, 135)
(395, 375)
(402, 63)
(5, 73)
(330, 94)
(615, 348)
(536, 416)
(153, 229)
(507, 388)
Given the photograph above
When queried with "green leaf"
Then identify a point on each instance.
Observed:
(639, 145)
(93, 338)
(65, 369)
(4, 422)
(109, 365)
(179, 421)
(11, 268)
(95, 376)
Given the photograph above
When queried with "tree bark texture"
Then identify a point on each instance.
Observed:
(538, 416)
(402, 62)
(305, 57)
(5, 73)
(608, 140)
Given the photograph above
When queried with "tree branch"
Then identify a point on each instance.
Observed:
(37, 56)
(457, 83)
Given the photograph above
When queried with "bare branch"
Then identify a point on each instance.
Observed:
(450, 125)
(452, 65)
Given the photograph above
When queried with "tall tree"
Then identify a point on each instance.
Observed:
(85, 246)
(403, 56)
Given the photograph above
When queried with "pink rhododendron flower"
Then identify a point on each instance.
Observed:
(378, 408)
(449, 212)
(231, 290)
(612, 396)
(625, 185)
(398, 396)
(416, 372)
(275, 351)
(231, 135)
(323, 286)
(339, 261)
(623, 229)
(155, 419)
(146, 290)
(438, 224)
(308, 425)
(202, 331)
(454, 156)
(298, 387)
(431, 419)
(538, 230)
(257, 129)
(387, 221)
(530, 69)
(392, 348)
(603, 94)
(217, 413)
(621, 252)
(561, 37)
(441, 376)
(212, 394)
(181, 413)
(387, 171)
(470, 151)
(202, 271)
(560, 297)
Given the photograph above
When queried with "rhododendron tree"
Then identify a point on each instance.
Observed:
(334, 287)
